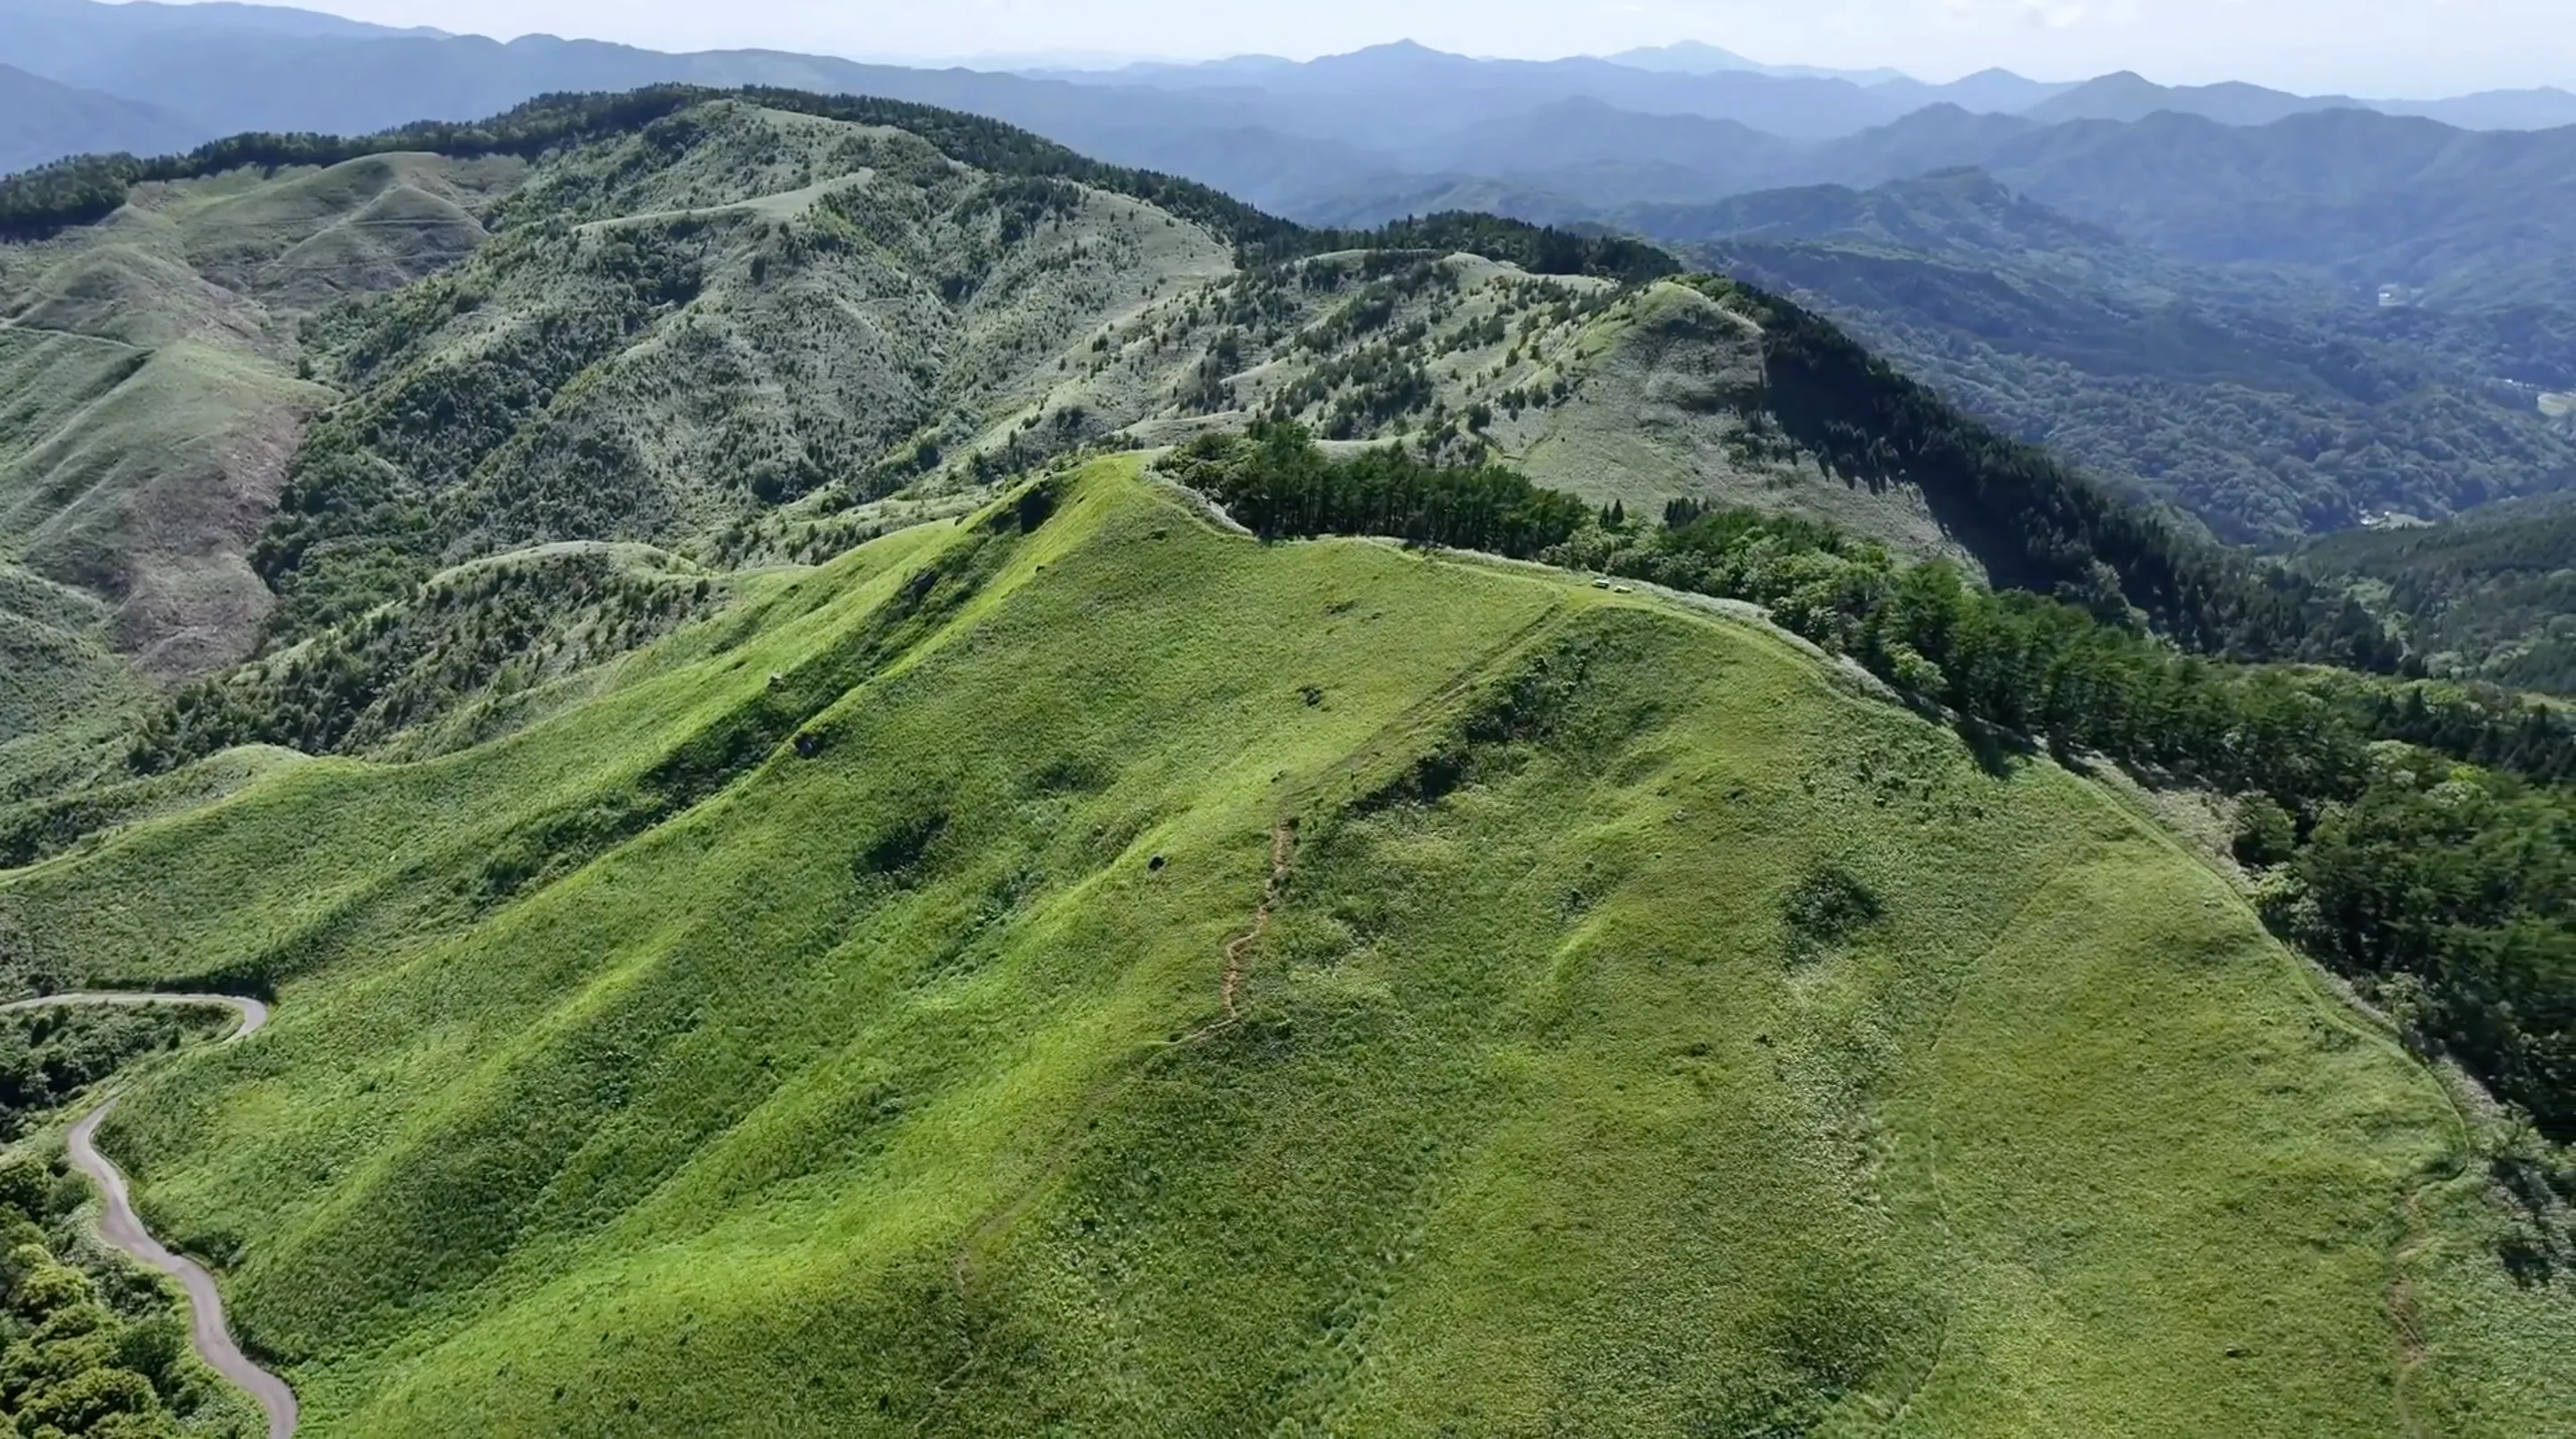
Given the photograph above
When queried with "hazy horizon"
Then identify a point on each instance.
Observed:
(2411, 49)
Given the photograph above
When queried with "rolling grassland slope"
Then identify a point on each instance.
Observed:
(1078, 969)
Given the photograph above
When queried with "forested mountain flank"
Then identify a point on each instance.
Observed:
(2271, 404)
(2489, 594)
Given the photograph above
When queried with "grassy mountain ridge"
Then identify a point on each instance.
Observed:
(2325, 764)
(704, 1124)
(773, 325)
(153, 405)
(731, 328)
(85, 187)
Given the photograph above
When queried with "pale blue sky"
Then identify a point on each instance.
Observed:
(2369, 47)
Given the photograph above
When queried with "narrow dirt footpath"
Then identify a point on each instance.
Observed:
(1283, 848)
(2403, 1316)
(1283, 843)
(122, 1228)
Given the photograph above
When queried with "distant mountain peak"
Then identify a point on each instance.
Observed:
(1683, 53)
(2118, 82)
(1698, 57)
(1394, 49)
(1396, 58)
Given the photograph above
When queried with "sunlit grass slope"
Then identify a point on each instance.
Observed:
(837, 1027)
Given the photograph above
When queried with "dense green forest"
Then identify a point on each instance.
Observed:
(2270, 413)
(1277, 482)
(85, 1357)
(2271, 402)
(48, 1056)
(2394, 852)
(2038, 525)
(2490, 594)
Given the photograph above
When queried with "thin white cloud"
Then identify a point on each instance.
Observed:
(2051, 17)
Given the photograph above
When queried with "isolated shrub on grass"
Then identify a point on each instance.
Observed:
(1828, 907)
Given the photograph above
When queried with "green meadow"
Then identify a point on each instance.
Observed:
(1077, 970)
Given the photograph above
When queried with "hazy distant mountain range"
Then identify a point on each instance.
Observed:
(2278, 311)
(216, 69)
(41, 118)
(2222, 172)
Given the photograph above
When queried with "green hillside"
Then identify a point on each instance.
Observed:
(2268, 402)
(152, 403)
(812, 888)
(1084, 970)
(2489, 594)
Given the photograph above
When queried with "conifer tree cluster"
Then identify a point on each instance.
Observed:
(1277, 482)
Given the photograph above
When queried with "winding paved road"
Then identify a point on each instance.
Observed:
(120, 1226)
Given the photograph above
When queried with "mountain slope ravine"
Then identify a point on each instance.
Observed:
(123, 1229)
